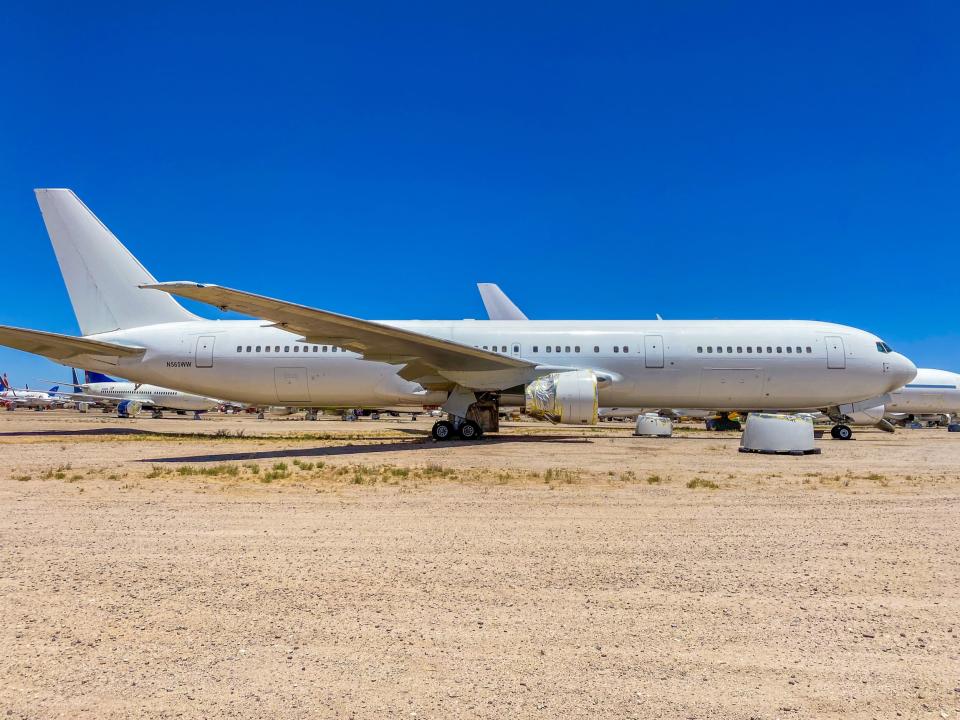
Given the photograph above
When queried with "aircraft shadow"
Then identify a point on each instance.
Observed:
(339, 450)
(88, 431)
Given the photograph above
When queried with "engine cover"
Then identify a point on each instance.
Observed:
(128, 408)
(569, 398)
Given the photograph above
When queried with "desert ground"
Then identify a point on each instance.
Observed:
(235, 568)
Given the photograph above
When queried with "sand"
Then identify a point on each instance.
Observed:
(554, 572)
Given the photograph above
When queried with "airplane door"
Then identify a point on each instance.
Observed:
(291, 384)
(204, 356)
(836, 355)
(653, 350)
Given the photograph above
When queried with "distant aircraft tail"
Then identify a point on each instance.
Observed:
(101, 275)
(76, 383)
(5, 382)
(95, 377)
(54, 389)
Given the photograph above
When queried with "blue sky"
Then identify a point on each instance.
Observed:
(734, 160)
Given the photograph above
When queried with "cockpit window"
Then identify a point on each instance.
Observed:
(883, 347)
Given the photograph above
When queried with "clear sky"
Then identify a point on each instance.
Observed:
(696, 159)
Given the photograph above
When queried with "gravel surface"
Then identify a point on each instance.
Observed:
(544, 575)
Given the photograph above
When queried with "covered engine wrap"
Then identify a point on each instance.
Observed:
(863, 416)
(570, 398)
(128, 408)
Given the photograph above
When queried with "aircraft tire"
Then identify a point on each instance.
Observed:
(469, 430)
(841, 432)
(442, 430)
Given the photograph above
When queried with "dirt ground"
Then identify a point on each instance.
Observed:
(289, 569)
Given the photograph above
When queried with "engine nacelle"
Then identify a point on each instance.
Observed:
(128, 408)
(570, 398)
(865, 416)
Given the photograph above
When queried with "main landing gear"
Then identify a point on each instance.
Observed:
(841, 432)
(464, 429)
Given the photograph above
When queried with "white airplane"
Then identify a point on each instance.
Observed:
(13, 398)
(932, 396)
(563, 370)
(129, 398)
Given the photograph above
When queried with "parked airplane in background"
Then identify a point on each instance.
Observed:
(563, 370)
(35, 399)
(932, 396)
(129, 398)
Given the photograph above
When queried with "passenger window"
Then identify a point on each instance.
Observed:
(266, 348)
(239, 348)
(739, 349)
(789, 349)
(730, 349)
(719, 348)
(536, 348)
(626, 348)
(576, 348)
(596, 348)
(799, 349)
(809, 349)
(769, 349)
(709, 348)
(749, 349)
(276, 348)
(558, 348)
(616, 348)
(516, 348)
(296, 348)
(699, 348)
(548, 348)
(258, 348)
(286, 348)
(759, 349)
(567, 349)
(248, 348)
(779, 349)
(485, 347)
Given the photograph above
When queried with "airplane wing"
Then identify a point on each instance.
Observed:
(62, 347)
(462, 364)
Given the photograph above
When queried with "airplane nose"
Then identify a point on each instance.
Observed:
(902, 370)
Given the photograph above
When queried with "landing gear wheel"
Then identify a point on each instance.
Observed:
(375, 416)
(841, 432)
(442, 430)
(469, 430)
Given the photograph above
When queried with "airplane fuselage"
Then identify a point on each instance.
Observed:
(717, 364)
(158, 397)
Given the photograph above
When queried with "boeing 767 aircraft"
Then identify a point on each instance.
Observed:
(562, 370)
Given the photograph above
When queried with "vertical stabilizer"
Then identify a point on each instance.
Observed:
(497, 304)
(101, 275)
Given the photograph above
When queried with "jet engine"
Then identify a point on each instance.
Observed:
(128, 408)
(570, 398)
(868, 416)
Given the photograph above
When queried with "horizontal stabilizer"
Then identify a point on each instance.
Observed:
(62, 347)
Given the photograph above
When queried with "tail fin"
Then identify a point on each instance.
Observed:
(497, 304)
(95, 377)
(76, 383)
(55, 389)
(101, 275)
(5, 382)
